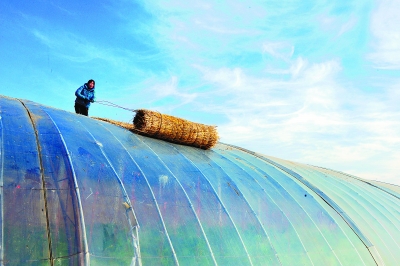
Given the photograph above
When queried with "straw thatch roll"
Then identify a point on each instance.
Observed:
(170, 128)
(174, 129)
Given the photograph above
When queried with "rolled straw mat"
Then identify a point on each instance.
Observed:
(171, 128)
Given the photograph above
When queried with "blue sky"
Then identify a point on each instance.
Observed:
(316, 82)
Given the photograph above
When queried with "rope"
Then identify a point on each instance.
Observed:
(114, 105)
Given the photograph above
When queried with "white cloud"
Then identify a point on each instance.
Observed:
(385, 29)
(282, 51)
(71, 47)
(170, 89)
(293, 103)
(309, 118)
(347, 26)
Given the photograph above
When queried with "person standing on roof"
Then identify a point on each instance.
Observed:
(84, 96)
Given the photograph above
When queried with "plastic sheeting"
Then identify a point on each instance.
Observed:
(78, 191)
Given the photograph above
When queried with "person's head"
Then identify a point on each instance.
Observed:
(90, 83)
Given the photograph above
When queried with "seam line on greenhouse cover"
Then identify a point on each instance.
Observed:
(78, 194)
(43, 183)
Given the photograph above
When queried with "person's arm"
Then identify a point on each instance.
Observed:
(92, 99)
(79, 94)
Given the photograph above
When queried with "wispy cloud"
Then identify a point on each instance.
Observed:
(310, 118)
(177, 97)
(384, 27)
(71, 47)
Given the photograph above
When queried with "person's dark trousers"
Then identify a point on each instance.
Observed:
(80, 109)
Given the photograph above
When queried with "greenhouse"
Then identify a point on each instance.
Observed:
(79, 191)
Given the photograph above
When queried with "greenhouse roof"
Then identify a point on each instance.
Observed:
(75, 190)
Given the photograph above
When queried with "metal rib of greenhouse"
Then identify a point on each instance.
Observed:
(186, 162)
(353, 188)
(370, 209)
(155, 156)
(361, 180)
(351, 242)
(355, 211)
(337, 208)
(372, 249)
(356, 188)
(277, 207)
(387, 221)
(358, 182)
(132, 229)
(152, 195)
(333, 204)
(155, 159)
(316, 190)
(390, 198)
(301, 242)
(223, 205)
(190, 203)
(386, 210)
(328, 214)
(292, 198)
(82, 218)
(227, 177)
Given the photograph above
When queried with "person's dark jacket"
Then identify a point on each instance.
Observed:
(84, 95)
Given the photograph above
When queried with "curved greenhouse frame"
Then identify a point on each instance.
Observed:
(79, 191)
